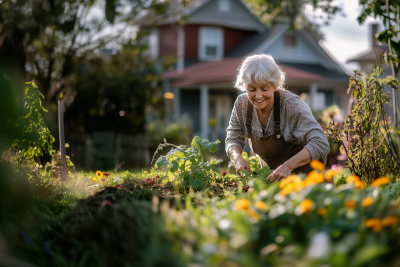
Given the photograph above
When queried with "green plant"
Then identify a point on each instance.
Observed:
(175, 132)
(360, 135)
(186, 165)
(253, 160)
(32, 134)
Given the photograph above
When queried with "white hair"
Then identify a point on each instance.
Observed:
(261, 69)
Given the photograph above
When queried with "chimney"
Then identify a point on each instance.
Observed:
(374, 31)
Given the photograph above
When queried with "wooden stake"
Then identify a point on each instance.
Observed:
(64, 170)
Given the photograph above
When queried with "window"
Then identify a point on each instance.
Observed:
(224, 5)
(153, 44)
(211, 43)
(290, 41)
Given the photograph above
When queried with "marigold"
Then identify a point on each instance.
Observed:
(356, 181)
(242, 204)
(306, 205)
(252, 214)
(322, 212)
(99, 174)
(389, 221)
(380, 181)
(350, 204)
(94, 180)
(329, 175)
(375, 224)
(287, 190)
(290, 179)
(314, 178)
(317, 165)
(260, 205)
(367, 202)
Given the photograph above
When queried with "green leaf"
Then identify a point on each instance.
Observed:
(162, 162)
(195, 183)
(205, 144)
(368, 253)
(110, 10)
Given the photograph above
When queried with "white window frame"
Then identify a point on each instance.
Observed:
(154, 44)
(224, 6)
(203, 31)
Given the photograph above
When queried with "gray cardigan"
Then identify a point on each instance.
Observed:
(298, 125)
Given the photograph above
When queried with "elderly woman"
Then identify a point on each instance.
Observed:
(281, 128)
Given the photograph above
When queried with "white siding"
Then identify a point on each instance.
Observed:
(238, 16)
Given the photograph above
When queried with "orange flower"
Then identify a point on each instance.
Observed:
(317, 165)
(242, 204)
(252, 214)
(287, 190)
(356, 181)
(290, 179)
(329, 175)
(260, 205)
(314, 178)
(367, 202)
(380, 181)
(375, 224)
(322, 212)
(306, 206)
(350, 204)
(389, 221)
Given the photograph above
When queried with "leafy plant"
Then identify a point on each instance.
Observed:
(187, 166)
(360, 136)
(32, 134)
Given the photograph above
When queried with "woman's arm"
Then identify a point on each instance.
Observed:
(300, 159)
(235, 153)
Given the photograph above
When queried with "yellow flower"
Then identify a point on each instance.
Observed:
(242, 204)
(375, 224)
(389, 221)
(94, 180)
(260, 205)
(380, 181)
(314, 178)
(290, 179)
(99, 174)
(350, 204)
(322, 212)
(329, 175)
(367, 202)
(356, 181)
(306, 206)
(287, 190)
(252, 214)
(317, 165)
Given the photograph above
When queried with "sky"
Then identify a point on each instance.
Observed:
(344, 38)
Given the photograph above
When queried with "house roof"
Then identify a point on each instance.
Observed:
(253, 41)
(318, 70)
(370, 55)
(224, 71)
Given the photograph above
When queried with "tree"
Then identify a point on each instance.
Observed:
(44, 37)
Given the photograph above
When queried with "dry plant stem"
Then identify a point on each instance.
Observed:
(161, 146)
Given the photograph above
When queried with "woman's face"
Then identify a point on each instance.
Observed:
(261, 95)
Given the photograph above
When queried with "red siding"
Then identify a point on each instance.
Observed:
(168, 41)
(233, 37)
(191, 41)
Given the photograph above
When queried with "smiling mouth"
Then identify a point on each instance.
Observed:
(259, 101)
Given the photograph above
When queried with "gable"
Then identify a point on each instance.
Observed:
(307, 50)
(237, 17)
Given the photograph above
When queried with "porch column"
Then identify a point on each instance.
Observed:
(180, 48)
(204, 111)
(313, 96)
(166, 102)
(177, 103)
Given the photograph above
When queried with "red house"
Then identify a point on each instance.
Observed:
(211, 45)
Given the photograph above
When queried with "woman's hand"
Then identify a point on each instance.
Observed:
(241, 164)
(281, 172)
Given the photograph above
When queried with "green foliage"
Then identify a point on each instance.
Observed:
(361, 134)
(253, 160)
(33, 136)
(175, 132)
(186, 166)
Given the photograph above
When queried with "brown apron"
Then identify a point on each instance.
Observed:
(273, 150)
